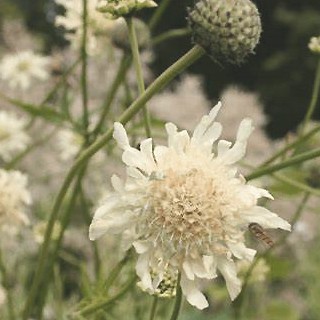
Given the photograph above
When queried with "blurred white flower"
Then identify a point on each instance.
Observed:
(3, 296)
(14, 196)
(21, 68)
(314, 45)
(39, 230)
(69, 143)
(188, 94)
(98, 26)
(185, 208)
(12, 136)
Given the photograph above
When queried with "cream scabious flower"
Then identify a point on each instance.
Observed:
(21, 68)
(185, 207)
(14, 196)
(97, 28)
(69, 143)
(12, 136)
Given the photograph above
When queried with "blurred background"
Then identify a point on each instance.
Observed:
(274, 88)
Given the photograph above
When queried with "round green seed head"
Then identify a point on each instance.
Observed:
(228, 30)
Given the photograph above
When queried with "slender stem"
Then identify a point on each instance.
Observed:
(284, 164)
(153, 308)
(6, 285)
(185, 61)
(238, 303)
(84, 86)
(314, 99)
(138, 67)
(171, 34)
(123, 67)
(155, 19)
(292, 145)
(178, 300)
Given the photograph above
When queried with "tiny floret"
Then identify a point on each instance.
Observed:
(121, 8)
(20, 69)
(185, 208)
(314, 45)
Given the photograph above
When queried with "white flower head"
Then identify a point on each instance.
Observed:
(20, 69)
(185, 207)
(98, 26)
(314, 45)
(14, 196)
(12, 136)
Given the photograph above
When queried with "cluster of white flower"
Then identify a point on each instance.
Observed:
(185, 208)
(14, 196)
(98, 26)
(12, 135)
(19, 69)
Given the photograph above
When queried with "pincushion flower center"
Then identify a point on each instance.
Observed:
(186, 208)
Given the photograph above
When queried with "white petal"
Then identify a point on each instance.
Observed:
(240, 251)
(115, 223)
(187, 268)
(134, 158)
(192, 293)
(120, 135)
(238, 150)
(143, 272)
(171, 131)
(159, 153)
(223, 147)
(204, 124)
(141, 246)
(146, 150)
(229, 272)
(265, 218)
(211, 266)
(117, 183)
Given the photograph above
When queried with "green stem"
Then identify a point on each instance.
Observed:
(314, 99)
(284, 164)
(153, 308)
(84, 85)
(6, 285)
(138, 67)
(178, 300)
(185, 61)
(123, 67)
(155, 19)
(106, 302)
(171, 34)
(292, 145)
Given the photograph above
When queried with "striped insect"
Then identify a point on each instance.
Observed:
(260, 234)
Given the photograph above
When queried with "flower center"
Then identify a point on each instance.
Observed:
(186, 209)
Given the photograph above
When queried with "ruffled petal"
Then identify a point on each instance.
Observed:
(114, 223)
(120, 135)
(229, 271)
(265, 218)
(143, 272)
(240, 251)
(238, 150)
(192, 293)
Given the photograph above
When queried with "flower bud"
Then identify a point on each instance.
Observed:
(228, 30)
(121, 8)
(120, 36)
